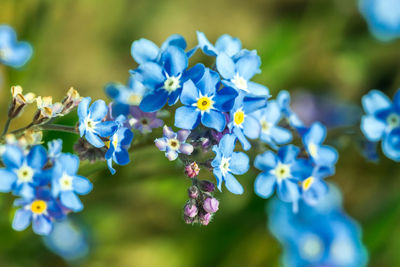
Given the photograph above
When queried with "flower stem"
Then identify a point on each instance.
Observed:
(6, 126)
(59, 128)
(22, 129)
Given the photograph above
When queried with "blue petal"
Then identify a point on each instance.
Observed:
(42, 225)
(281, 135)
(20, 54)
(121, 157)
(37, 157)
(214, 119)
(13, 156)
(251, 127)
(218, 176)
(372, 128)
(242, 139)
(174, 40)
(231, 46)
(239, 163)
(150, 75)
(374, 101)
(94, 139)
(154, 101)
(233, 185)
(143, 50)
(7, 179)
(225, 99)
(396, 101)
(175, 60)
(391, 145)
(288, 154)
(109, 165)
(205, 45)
(98, 110)
(264, 185)
(81, 185)
(327, 155)
(266, 161)
(187, 117)
(106, 128)
(22, 219)
(225, 66)
(190, 93)
(248, 66)
(125, 137)
(316, 134)
(208, 83)
(83, 108)
(7, 35)
(272, 112)
(70, 200)
(288, 191)
(227, 144)
(252, 103)
(195, 73)
(257, 89)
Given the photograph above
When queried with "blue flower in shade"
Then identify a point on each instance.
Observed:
(280, 172)
(237, 73)
(320, 154)
(13, 53)
(22, 173)
(283, 100)
(144, 50)
(174, 143)
(321, 235)
(54, 149)
(164, 79)
(40, 210)
(271, 133)
(226, 163)
(90, 121)
(118, 148)
(382, 122)
(242, 121)
(203, 102)
(124, 96)
(66, 184)
(225, 44)
(383, 17)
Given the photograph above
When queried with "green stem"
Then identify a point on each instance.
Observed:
(6, 126)
(22, 129)
(59, 128)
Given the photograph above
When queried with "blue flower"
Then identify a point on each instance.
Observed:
(40, 210)
(283, 100)
(204, 103)
(164, 79)
(226, 163)
(242, 122)
(383, 17)
(174, 143)
(237, 73)
(271, 133)
(279, 172)
(90, 121)
(144, 50)
(118, 148)
(12, 52)
(313, 139)
(22, 173)
(125, 96)
(66, 184)
(382, 122)
(225, 44)
(54, 149)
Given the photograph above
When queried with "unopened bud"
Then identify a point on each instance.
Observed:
(193, 192)
(188, 220)
(211, 205)
(205, 218)
(207, 186)
(190, 210)
(192, 170)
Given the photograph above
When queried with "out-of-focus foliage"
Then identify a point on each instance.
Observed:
(134, 218)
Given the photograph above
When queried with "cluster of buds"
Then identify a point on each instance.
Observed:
(28, 139)
(201, 205)
(192, 170)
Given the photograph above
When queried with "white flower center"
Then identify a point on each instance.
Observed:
(134, 99)
(393, 120)
(115, 140)
(172, 83)
(90, 125)
(65, 182)
(240, 82)
(25, 174)
(311, 247)
(174, 143)
(265, 126)
(224, 165)
(5, 53)
(282, 171)
(313, 150)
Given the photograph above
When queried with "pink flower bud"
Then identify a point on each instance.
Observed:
(205, 218)
(190, 210)
(193, 192)
(211, 205)
(192, 170)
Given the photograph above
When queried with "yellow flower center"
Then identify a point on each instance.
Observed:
(307, 183)
(204, 103)
(173, 144)
(313, 149)
(240, 82)
(264, 126)
(66, 182)
(282, 171)
(134, 99)
(238, 117)
(38, 206)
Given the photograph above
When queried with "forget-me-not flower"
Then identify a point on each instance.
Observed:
(12, 52)
(225, 44)
(174, 143)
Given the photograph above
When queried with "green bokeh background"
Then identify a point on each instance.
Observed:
(134, 217)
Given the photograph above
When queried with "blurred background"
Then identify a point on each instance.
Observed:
(312, 48)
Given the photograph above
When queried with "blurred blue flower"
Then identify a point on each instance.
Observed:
(90, 121)
(124, 96)
(382, 122)
(67, 184)
(283, 100)
(22, 173)
(271, 133)
(237, 73)
(12, 52)
(280, 172)
(225, 44)
(40, 209)
(174, 143)
(226, 163)
(54, 149)
(383, 17)
(118, 148)
(203, 102)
